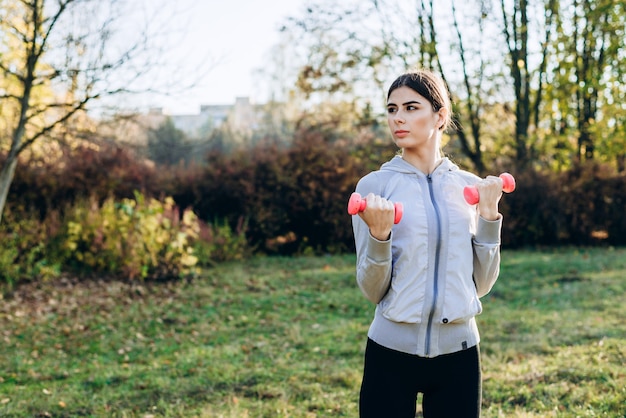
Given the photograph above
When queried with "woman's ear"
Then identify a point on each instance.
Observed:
(443, 117)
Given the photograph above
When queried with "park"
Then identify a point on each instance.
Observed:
(147, 271)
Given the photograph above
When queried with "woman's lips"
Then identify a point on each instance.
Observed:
(401, 133)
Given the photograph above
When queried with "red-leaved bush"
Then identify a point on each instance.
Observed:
(290, 198)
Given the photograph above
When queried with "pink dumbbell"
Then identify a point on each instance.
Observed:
(357, 204)
(471, 192)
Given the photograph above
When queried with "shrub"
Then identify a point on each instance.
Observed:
(293, 197)
(582, 206)
(90, 170)
(218, 242)
(138, 238)
(531, 212)
(135, 238)
(592, 202)
(27, 250)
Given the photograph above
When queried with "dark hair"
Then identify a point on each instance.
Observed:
(430, 86)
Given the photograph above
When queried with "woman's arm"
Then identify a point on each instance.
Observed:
(372, 235)
(486, 244)
(373, 265)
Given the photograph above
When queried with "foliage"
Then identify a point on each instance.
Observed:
(282, 191)
(28, 248)
(531, 212)
(284, 337)
(129, 239)
(593, 200)
(294, 197)
(55, 60)
(290, 198)
(554, 69)
(584, 89)
(135, 238)
(218, 242)
(90, 169)
(168, 145)
(582, 206)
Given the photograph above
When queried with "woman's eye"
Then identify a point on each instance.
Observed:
(391, 110)
(410, 107)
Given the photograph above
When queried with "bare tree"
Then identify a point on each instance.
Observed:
(473, 102)
(516, 28)
(379, 37)
(594, 40)
(56, 58)
(516, 33)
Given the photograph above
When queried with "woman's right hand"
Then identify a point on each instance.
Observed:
(378, 215)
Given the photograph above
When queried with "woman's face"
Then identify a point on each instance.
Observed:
(412, 120)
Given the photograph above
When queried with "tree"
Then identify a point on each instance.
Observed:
(357, 49)
(516, 28)
(56, 57)
(585, 89)
(595, 24)
(472, 106)
(168, 145)
(336, 59)
(552, 72)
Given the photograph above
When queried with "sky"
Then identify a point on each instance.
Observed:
(227, 41)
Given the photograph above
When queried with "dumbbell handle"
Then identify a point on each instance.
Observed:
(357, 204)
(471, 192)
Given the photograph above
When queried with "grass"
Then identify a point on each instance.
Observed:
(284, 337)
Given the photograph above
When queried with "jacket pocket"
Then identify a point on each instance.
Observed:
(404, 302)
(461, 300)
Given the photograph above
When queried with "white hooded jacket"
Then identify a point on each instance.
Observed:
(441, 257)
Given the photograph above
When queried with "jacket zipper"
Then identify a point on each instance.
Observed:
(436, 273)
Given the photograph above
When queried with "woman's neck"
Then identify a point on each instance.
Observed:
(425, 162)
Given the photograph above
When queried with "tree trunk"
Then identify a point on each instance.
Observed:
(516, 33)
(475, 156)
(6, 178)
(621, 163)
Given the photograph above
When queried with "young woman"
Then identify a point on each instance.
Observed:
(427, 273)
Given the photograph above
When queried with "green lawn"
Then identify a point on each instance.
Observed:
(284, 337)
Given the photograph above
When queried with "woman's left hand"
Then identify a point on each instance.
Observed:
(490, 192)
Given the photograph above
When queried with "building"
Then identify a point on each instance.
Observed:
(243, 117)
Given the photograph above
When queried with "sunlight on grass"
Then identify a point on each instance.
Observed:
(284, 337)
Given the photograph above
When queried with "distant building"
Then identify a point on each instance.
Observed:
(242, 116)
(243, 119)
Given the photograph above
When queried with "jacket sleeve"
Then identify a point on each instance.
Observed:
(486, 245)
(373, 268)
(373, 257)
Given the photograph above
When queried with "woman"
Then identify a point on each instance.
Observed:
(427, 273)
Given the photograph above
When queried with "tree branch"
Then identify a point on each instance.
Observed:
(48, 128)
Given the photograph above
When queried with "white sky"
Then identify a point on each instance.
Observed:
(236, 36)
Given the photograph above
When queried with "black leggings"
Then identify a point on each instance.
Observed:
(450, 384)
